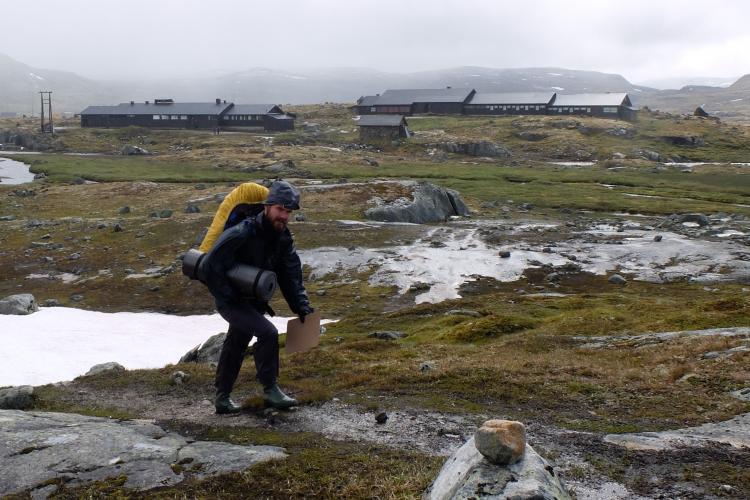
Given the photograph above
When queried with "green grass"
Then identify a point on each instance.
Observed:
(61, 168)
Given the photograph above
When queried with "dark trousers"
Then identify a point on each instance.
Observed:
(244, 324)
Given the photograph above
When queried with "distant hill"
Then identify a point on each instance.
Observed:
(19, 86)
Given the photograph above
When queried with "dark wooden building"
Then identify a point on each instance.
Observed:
(606, 105)
(447, 101)
(509, 103)
(382, 128)
(269, 116)
(162, 113)
(165, 113)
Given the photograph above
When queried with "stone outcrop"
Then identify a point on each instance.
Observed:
(430, 203)
(22, 303)
(481, 148)
(733, 432)
(502, 442)
(17, 398)
(206, 352)
(111, 366)
(130, 150)
(37, 447)
(468, 474)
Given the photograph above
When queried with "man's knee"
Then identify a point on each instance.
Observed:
(267, 331)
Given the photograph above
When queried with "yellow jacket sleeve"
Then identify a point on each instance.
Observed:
(248, 192)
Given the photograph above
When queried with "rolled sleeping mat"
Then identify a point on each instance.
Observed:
(252, 282)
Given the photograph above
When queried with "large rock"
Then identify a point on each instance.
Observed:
(17, 398)
(481, 148)
(37, 448)
(130, 150)
(467, 474)
(22, 303)
(111, 366)
(207, 352)
(502, 442)
(430, 204)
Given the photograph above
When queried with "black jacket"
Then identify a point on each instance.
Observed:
(255, 242)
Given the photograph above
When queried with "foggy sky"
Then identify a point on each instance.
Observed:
(143, 39)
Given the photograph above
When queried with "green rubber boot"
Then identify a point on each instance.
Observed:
(224, 405)
(274, 397)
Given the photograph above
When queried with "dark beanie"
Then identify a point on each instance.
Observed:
(284, 194)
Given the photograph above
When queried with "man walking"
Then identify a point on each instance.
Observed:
(261, 240)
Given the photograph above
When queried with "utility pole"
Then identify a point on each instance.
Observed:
(46, 125)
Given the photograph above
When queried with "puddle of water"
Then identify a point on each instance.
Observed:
(14, 172)
(573, 163)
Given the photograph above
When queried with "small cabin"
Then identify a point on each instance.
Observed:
(382, 128)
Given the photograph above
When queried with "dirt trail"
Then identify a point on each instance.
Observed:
(441, 434)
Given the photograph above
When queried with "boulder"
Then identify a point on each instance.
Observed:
(17, 398)
(387, 335)
(129, 150)
(467, 474)
(699, 219)
(192, 208)
(22, 303)
(481, 148)
(207, 352)
(616, 279)
(502, 442)
(430, 203)
(111, 366)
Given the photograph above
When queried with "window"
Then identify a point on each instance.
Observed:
(174, 117)
(183, 117)
(609, 110)
(373, 109)
(157, 117)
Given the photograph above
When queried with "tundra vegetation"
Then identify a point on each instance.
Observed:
(519, 357)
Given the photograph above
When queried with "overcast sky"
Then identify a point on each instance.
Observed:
(642, 40)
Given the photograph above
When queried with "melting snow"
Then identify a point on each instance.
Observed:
(448, 257)
(60, 343)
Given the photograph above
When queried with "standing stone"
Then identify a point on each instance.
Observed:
(502, 442)
(23, 303)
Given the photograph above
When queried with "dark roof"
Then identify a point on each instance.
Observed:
(406, 97)
(368, 100)
(140, 108)
(512, 98)
(381, 120)
(253, 109)
(608, 99)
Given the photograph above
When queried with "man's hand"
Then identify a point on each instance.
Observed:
(304, 311)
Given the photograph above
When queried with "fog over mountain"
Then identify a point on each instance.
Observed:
(20, 84)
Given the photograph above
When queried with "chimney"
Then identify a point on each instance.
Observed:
(225, 101)
(146, 102)
(448, 87)
(132, 103)
(218, 101)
